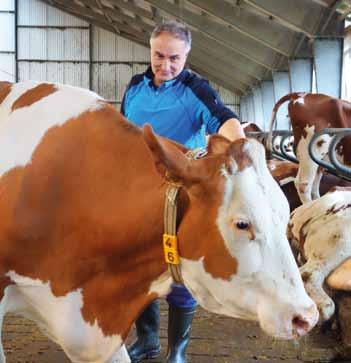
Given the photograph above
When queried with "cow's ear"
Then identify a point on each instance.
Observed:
(218, 144)
(340, 278)
(168, 157)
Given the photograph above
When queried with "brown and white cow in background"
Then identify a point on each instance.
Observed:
(321, 231)
(284, 172)
(81, 224)
(250, 127)
(308, 114)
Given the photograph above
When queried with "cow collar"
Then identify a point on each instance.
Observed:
(170, 241)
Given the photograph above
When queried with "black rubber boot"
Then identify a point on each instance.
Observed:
(147, 345)
(179, 326)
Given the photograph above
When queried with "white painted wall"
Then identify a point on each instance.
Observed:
(7, 40)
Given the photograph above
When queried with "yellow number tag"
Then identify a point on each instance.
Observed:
(170, 247)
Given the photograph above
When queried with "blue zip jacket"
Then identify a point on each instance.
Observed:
(183, 109)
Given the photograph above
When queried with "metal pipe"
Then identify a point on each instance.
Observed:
(328, 166)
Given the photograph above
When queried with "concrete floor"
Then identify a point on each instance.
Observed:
(215, 339)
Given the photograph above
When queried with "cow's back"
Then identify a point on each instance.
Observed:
(29, 109)
(319, 110)
(80, 198)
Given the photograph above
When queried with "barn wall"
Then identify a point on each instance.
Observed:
(115, 61)
(7, 43)
(52, 46)
(57, 47)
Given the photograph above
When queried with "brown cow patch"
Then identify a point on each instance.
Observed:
(4, 282)
(303, 234)
(34, 95)
(238, 150)
(74, 217)
(334, 210)
(208, 244)
(320, 143)
(5, 89)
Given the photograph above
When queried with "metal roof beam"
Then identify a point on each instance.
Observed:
(82, 13)
(223, 83)
(222, 74)
(236, 60)
(206, 62)
(322, 3)
(265, 32)
(221, 34)
(220, 64)
(225, 79)
(91, 16)
(204, 56)
(295, 15)
(204, 49)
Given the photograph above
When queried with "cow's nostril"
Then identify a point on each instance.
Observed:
(300, 325)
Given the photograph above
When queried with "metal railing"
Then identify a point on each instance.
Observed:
(281, 153)
(334, 166)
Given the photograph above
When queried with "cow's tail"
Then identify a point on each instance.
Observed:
(289, 97)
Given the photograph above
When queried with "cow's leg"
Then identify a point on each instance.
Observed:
(304, 180)
(308, 169)
(313, 273)
(313, 278)
(120, 356)
(316, 183)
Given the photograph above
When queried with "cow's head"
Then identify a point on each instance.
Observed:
(235, 257)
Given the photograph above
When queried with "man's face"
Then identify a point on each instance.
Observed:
(168, 57)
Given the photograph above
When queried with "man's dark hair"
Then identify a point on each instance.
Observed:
(178, 30)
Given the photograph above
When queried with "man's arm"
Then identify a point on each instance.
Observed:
(232, 130)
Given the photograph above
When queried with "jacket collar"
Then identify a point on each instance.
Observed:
(149, 76)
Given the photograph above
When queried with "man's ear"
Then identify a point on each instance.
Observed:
(168, 157)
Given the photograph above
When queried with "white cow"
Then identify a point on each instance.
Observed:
(321, 231)
(310, 113)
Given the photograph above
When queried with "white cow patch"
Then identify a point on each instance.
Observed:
(286, 180)
(17, 146)
(61, 319)
(300, 100)
(210, 292)
(162, 285)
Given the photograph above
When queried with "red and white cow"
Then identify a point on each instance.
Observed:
(250, 127)
(308, 114)
(284, 172)
(81, 224)
(321, 231)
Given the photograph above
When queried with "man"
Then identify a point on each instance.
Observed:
(183, 107)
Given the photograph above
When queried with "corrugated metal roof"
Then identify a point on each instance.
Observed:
(236, 44)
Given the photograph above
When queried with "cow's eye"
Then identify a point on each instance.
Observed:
(242, 225)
